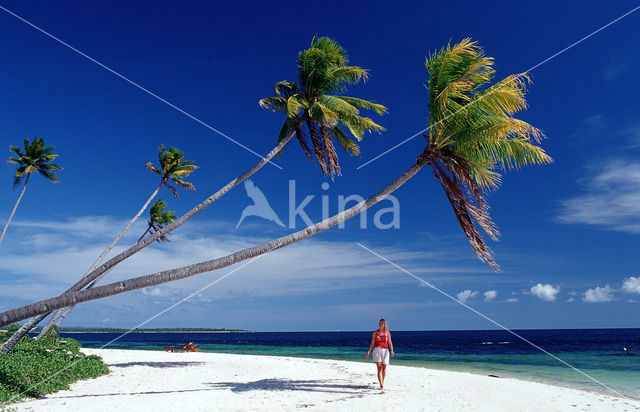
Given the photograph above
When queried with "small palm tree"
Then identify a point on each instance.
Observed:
(173, 167)
(36, 158)
(323, 71)
(472, 135)
(158, 219)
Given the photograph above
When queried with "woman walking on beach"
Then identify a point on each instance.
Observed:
(381, 339)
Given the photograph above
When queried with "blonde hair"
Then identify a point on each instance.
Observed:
(385, 327)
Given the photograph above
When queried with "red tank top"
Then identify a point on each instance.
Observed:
(381, 340)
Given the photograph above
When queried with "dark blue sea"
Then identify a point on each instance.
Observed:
(596, 352)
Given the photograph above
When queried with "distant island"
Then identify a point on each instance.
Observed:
(152, 330)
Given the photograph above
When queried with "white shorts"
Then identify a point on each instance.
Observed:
(380, 355)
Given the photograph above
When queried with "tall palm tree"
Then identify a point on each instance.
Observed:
(173, 167)
(465, 149)
(36, 158)
(310, 73)
(322, 72)
(158, 219)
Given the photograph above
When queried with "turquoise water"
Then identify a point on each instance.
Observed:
(596, 353)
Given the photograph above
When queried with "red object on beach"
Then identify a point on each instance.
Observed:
(188, 347)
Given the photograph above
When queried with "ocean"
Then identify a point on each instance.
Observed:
(596, 352)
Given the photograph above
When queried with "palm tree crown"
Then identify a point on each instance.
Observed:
(173, 167)
(36, 158)
(472, 133)
(158, 219)
(322, 69)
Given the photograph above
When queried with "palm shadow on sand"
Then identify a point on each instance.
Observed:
(273, 384)
(276, 384)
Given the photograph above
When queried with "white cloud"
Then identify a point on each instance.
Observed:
(490, 295)
(466, 295)
(511, 300)
(30, 273)
(598, 294)
(571, 299)
(545, 292)
(631, 285)
(611, 198)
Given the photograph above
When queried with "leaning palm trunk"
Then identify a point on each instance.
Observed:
(62, 313)
(6, 225)
(56, 316)
(210, 265)
(27, 327)
(97, 273)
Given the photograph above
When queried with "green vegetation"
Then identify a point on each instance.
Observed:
(36, 367)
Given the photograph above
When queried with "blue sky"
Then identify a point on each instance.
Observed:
(567, 228)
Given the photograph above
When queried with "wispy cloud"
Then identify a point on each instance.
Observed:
(311, 266)
(610, 198)
(545, 292)
(592, 126)
(512, 300)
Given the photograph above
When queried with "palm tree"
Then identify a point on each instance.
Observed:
(172, 167)
(158, 219)
(322, 71)
(36, 158)
(465, 150)
(309, 74)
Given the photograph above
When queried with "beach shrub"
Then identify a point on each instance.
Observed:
(36, 367)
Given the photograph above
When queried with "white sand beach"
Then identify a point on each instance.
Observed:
(159, 381)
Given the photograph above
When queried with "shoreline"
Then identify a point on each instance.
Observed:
(154, 380)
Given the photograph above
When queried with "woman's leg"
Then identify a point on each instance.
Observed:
(383, 372)
(379, 365)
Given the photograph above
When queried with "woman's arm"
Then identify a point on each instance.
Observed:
(373, 341)
(390, 343)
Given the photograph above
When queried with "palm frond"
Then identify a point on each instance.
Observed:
(330, 150)
(275, 104)
(182, 183)
(149, 166)
(318, 146)
(349, 145)
(363, 104)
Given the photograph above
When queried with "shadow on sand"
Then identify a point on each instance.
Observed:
(273, 384)
(155, 364)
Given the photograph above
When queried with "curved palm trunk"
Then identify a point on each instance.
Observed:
(6, 225)
(56, 316)
(27, 327)
(207, 266)
(97, 273)
(62, 313)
